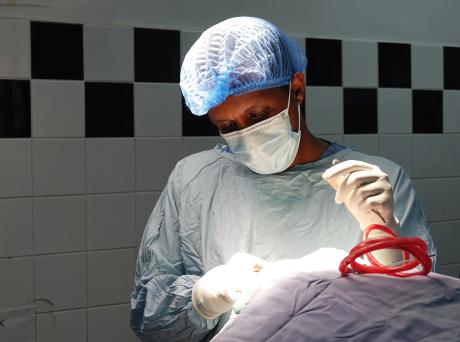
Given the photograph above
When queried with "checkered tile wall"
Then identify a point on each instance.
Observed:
(370, 79)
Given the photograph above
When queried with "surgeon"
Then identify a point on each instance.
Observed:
(270, 192)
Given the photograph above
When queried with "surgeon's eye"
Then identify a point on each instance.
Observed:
(256, 117)
(228, 128)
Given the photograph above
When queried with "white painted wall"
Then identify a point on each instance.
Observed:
(422, 21)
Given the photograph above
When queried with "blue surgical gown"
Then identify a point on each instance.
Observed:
(213, 207)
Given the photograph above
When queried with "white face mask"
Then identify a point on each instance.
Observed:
(266, 147)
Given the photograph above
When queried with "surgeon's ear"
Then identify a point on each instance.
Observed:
(298, 87)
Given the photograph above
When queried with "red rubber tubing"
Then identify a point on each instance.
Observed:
(409, 245)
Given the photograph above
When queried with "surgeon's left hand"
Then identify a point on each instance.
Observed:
(366, 191)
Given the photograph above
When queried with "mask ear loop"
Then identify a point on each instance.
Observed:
(298, 122)
(298, 109)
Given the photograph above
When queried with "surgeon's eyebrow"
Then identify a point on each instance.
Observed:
(258, 108)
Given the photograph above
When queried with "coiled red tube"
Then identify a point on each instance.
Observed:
(409, 245)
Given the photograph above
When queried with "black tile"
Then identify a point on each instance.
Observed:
(109, 109)
(57, 50)
(14, 109)
(360, 111)
(156, 55)
(394, 65)
(324, 62)
(193, 125)
(427, 111)
(451, 68)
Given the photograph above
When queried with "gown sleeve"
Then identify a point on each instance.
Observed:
(161, 305)
(410, 213)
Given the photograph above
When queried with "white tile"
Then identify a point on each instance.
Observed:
(109, 53)
(427, 67)
(337, 138)
(324, 110)
(398, 148)
(69, 326)
(430, 192)
(16, 227)
(394, 110)
(191, 145)
(110, 276)
(452, 244)
(157, 110)
(437, 231)
(17, 282)
(110, 324)
(450, 199)
(450, 270)
(110, 221)
(365, 143)
(300, 41)
(155, 159)
(145, 202)
(427, 155)
(451, 108)
(16, 167)
(187, 39)
(451, 155)
(360, 64)
(58, 166)
(59, 224)
(14, 49)
(61, 279)
(447, 237)
(110, 165)
(58, 108)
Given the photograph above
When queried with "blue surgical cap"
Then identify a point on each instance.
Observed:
(237, 56)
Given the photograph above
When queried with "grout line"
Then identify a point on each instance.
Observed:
(85, 176)
(84, 194)
(33, 196)
(77, 308)
(444, 221)
(411, 157)
(69, 252)
(450, 264)
(34, 276)
(135, 184)
(85, 229)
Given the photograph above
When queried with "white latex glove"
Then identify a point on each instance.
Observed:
(216, 291)
(366, 191)
(246, 262)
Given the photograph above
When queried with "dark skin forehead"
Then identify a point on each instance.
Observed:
(241, 111)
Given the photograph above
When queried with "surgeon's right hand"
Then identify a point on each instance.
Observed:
(216, 291)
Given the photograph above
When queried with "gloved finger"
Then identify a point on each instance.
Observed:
(383, 200)
(334, 174)
(246, 261)
(373, 189)
(355, 180)
(249, 284)
(360, 178)
(244, 279)
(243, 299)
(217, 278)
